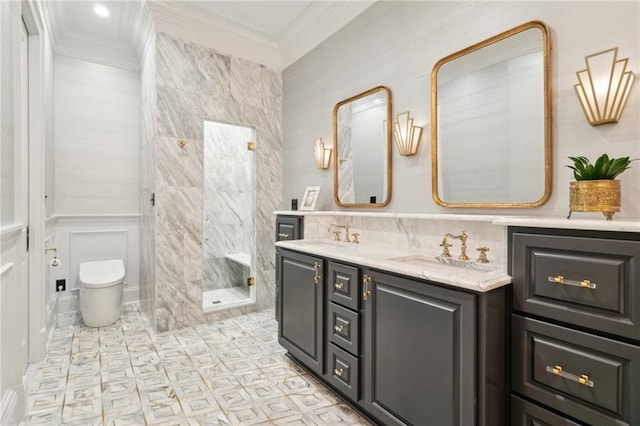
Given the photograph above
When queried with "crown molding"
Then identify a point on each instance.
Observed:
(100, 51)
(318, 22)
(185, 21)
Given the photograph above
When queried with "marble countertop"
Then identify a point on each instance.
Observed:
(380, 256)
(599, 224)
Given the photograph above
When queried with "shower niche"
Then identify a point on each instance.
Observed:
(229, 236)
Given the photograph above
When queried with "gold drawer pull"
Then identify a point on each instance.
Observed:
(366, 282)
(583, 379)
(283, 235)
(338, 285)
(317, 277)
(338, 328)
(338, 372)
(559, 279)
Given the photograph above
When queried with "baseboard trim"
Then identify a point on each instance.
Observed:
(71, 302)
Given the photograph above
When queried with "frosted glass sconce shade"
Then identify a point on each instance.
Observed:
(604, 86)
(406, 134)
(321, 154)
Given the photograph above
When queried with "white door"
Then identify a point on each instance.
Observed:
(14, 261)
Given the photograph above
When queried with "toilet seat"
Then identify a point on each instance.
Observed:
(101, 274)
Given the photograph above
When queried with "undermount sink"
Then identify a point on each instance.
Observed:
(421, 260)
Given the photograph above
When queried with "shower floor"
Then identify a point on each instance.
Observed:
(225, 296)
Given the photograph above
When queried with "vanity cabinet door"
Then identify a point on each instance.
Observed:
(420, 353)
(301, 307)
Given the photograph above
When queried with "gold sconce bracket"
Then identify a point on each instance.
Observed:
(603, 87)
(182, 143)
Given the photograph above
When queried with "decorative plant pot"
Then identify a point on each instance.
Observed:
(595, 196)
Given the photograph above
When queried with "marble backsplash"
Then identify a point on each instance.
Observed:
(400, 231)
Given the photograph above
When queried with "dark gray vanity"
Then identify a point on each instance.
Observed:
(403, 350)
(575, 327)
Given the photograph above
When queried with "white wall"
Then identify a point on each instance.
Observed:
(97, 177)
(396, 44)
(97, 133)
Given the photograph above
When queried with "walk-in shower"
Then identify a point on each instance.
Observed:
(229, 216)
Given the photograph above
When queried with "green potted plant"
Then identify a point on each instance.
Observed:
(596, 188)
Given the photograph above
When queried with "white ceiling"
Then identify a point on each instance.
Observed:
(273, 33)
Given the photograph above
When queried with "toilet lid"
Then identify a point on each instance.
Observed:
(104, 273)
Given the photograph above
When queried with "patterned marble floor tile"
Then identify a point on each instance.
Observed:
(118, 374)
(183, 375)
(265, 390)
(191, 389)
(161, 411)
(251, 377)
(199, 405)
(151, 380)
(47, 416)
(124, 419)
(47, 385)
(231, 372)
(235, 396)
(82, 412)
(115, 363)
(45, 400)
(122, 386)
(123, 403)
(247, 415)
(278, 407)
(83, 380)
(160, 393)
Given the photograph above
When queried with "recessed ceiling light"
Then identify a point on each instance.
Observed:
(100, 10)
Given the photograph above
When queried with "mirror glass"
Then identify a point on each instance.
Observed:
(490, 114)
(362, 149)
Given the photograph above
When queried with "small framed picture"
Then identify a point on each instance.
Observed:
(310, 199)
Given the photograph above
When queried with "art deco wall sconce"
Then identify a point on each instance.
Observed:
(406, 134)
(321, 154)
(604, 86)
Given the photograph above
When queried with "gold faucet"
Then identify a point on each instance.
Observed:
(337, 233)
(463, 245)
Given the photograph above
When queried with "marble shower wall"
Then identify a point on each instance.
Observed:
(195, 83)
(148, 178)
(229, 198)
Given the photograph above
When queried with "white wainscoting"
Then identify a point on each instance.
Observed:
(86, 238)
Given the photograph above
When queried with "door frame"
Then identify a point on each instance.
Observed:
(40, 312)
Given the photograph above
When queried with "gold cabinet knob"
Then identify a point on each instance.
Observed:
(338, 372)
(338, 328)
(338, 286)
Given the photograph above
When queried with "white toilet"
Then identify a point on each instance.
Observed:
(101, 291)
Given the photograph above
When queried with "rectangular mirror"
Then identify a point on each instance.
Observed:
(362, 149)
(490, 122)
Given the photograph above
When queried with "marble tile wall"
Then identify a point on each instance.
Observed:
(195, 83)
(148, 179)
(229, 198)
(425, 234)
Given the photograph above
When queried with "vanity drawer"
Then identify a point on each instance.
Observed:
(289, 228)
(590, 378)
(343, 371)
(524, 413)
(584, 281)
(343, 326)
(343, 283)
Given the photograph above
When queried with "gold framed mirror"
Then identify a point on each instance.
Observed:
(362, 149)
(491, 122)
